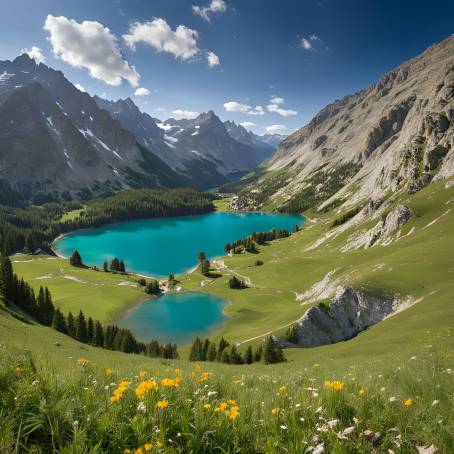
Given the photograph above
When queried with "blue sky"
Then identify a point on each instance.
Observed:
(280, 61)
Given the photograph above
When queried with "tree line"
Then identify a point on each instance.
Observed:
(205, 350)
(18, 293)
(249, 243)
(29, 227)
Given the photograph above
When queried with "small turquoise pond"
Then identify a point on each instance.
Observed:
(162, 246)
(175, 317)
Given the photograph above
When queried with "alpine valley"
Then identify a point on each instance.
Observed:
(192, 284)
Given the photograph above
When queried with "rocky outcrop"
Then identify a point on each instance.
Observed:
(384, 232)
(350, 312)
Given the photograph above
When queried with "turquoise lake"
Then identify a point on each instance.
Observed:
(158, 247)
(175, 317)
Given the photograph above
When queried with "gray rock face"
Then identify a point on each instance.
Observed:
(384, 231)
(56, 143)
(350, 312)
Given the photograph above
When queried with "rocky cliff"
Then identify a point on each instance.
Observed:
(350, 312)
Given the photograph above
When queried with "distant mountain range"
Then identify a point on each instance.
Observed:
(57, 142)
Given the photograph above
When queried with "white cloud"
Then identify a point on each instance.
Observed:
(92, 46)
(36, 53)
(80, 87)
(274, 108)
(215, 6)
(275, 129)
(187, 114)
(142, 91)
(247, 124)
(233, 106)
(213, 59)
(182, 43)
(277, 100)
(308, 43)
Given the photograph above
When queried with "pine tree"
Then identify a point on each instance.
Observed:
(205, 347)
(90, 331)
(29, 243)
(81, 328)
(211, 356)
(201, 256)
(205, 267)
(196, 350)
(41, 302)
(115, 264)
(222, 345)
(105, 267)
(225, 358)
(99, 334)
(75, 259)
(59, 322)
(258, 354)
(6, 279)
(70, 323)
(152, 349)
(121, 267)
(249, 357)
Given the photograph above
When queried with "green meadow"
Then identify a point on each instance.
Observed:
(395, 385)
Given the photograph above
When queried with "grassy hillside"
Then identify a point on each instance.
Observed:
(394, 387)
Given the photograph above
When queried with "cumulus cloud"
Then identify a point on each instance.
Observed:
(274, 107)
(80, 87)
(187, 114)
(92, 46)
(213, 59)
(275, 129)
(36, 53)
(277, 100)
(247, 124)
(142, 91)
(233, 106)
(181, 43)
(215, 6)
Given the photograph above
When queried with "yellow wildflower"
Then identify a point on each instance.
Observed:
(283, 389)
(236, 382)
(207, 406)
(148, 447)
(162, 404)
(316, 365)
(109, 372)
(408, 402)
(143, 373)
(82, 361)
(138, 451)
(159, 444)
(127, 451)
(275, 411)
(178, 371)
(18, 370)
(145, 386)
(222, 406)
(233, 413)
(168, 382)
(361, 392)
(232, 402)
(336, 385)
(118, 393)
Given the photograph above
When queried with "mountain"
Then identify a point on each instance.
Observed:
(396, 135)
(200, 149)
(55, 142)
(241, 134)
(207, 138)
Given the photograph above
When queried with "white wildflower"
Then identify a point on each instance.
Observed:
(435, 402)
(35, 383)
(333, 422)
(141, 407)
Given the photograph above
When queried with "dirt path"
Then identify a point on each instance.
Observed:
(221, 266)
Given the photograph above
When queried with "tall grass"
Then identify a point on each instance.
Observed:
(88, 409)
